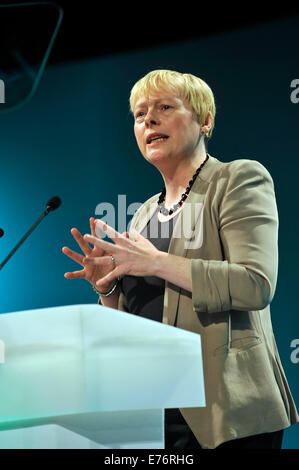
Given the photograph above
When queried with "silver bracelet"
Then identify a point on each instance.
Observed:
(108, 293)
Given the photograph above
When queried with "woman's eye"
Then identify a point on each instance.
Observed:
(166, 106)
(139, 114)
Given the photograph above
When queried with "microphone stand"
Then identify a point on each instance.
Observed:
(46, 212)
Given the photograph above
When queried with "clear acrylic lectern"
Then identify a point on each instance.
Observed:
(88, 376)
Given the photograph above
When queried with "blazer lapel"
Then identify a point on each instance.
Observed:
(184, 236)
(188, 233)
(146, 213)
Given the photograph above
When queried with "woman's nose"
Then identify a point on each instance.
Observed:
(151, 118)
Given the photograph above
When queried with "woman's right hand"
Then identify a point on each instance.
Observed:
(91, 272)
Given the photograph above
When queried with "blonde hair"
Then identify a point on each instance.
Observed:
(195, 90)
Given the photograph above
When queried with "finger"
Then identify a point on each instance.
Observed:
(72, 254)
(75, 275)
(92, 226)
(110, 248)
(81, 242)
(110, 231)
(136, 235)
(109, 277)
(103, 260)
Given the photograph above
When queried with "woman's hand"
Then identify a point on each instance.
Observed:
(135, 258)
(91, 272)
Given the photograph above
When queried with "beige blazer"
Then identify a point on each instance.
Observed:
(229, 230)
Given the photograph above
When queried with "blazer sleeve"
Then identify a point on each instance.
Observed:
(248, 229)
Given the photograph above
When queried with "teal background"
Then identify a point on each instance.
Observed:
(75, 139)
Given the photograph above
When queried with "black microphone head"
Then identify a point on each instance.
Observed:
(53, 203)
(1, 232)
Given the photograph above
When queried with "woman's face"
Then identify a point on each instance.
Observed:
(170, 117)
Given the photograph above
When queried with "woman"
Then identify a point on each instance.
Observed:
(213, 271)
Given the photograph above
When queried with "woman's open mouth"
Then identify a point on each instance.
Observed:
(155, 139)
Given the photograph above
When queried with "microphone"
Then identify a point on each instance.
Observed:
(52, 204)
(1, 232)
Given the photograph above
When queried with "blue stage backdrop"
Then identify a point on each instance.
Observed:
(75, 139)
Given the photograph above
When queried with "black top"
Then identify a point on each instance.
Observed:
(145, 295)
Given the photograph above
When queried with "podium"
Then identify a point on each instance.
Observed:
(92, 377)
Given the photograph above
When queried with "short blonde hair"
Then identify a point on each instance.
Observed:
(195, 90)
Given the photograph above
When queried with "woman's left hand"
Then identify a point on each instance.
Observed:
(134, 258)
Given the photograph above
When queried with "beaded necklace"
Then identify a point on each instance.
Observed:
(176, 206)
